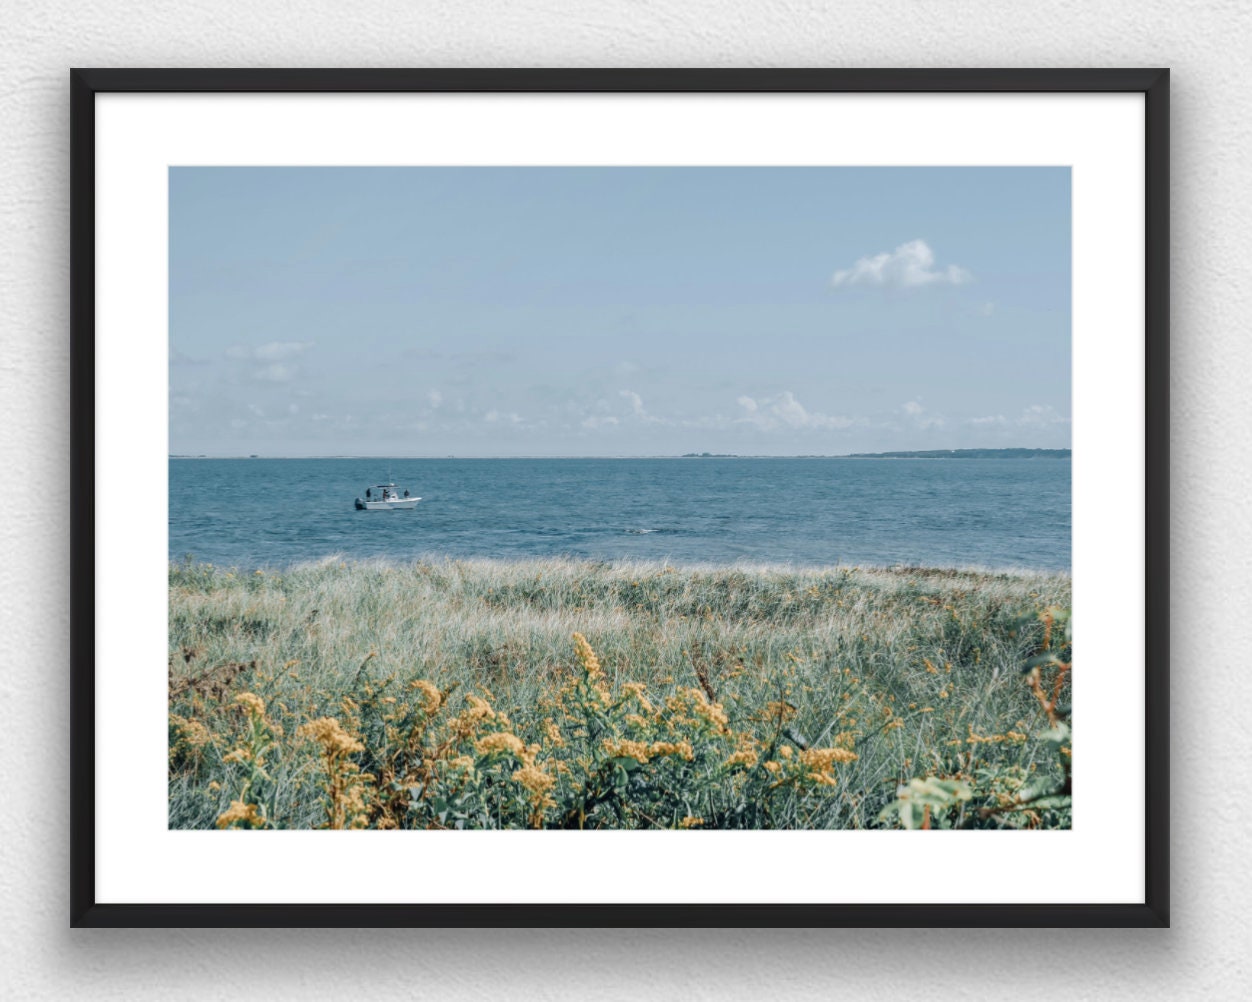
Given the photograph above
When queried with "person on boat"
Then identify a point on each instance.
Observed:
(367, 494)
(406, 493)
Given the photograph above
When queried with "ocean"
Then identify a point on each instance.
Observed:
(273, 513)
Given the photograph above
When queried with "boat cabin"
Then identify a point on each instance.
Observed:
(384, 492)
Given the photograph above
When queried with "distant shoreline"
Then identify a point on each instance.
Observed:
(643, 565)
(915, 454)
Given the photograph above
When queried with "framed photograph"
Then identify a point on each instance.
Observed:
(620, 497)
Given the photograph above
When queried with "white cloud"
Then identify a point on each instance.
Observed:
(274, 351)
(785, 411)
(910, 265)
(638, 410)
(496, 417)
(987, 309)
(1034, 416)
(635, 401)
(276, 373)
(277, 355)
(1041, 415)
(595, 421)
(435, 398)
(917, 412)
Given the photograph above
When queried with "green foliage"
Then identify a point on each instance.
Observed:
(999, 793)
(450, 695)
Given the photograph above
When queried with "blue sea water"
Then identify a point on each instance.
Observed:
(998, 513)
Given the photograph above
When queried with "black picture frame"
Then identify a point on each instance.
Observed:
(85, 84)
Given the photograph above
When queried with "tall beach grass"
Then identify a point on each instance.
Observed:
(454, 694)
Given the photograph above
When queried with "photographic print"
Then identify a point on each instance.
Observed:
(642, 497)
(550, 466)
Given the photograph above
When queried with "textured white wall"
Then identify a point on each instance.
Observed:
(1205, 954)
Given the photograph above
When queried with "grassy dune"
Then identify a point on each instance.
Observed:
(455, 695)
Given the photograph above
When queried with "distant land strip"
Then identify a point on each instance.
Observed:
(968, 454)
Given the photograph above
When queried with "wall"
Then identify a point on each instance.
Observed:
(1204, 955)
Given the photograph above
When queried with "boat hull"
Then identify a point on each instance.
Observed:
(389, 505)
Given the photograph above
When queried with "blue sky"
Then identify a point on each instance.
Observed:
(617, 311)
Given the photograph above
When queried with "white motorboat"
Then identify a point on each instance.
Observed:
(385, 497)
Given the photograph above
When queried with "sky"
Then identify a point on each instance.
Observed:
(500, 311)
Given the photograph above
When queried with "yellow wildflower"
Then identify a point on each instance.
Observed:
(252, 703)
(534, 779)
(328, 732)
(744, 758)
(501, 741)
(431, 697)
(690, 822)
(819, 762)
(779, 712)
(636, 689)
(553, 733)
(193, 733)
(785, 751)
(624, 748)
(241, 812)
(681, 748)
(479, 709)
(824, 758)
(590, 663)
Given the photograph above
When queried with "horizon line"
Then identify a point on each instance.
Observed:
(689, 455)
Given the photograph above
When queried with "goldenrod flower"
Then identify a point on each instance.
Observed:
(480, 709)
(534, 779)
(690, 822)
(819, 762)
(192, 733)
(239, 811)
(682, 749)
(328, 732)
(431, 697)
(501, 741)
(779, 712)
(252, 703)
(636, 690)
(590, 663)
(824, 758)
(744, 758)
(623, 748)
